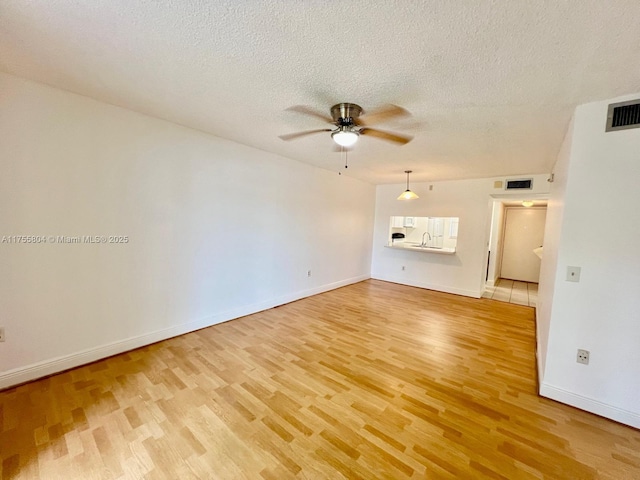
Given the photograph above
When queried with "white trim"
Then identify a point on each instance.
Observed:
(429, 286)
(590, 405)
(51, 366)
(540, 366)
(539, 358)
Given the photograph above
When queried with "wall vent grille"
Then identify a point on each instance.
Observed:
(519, 184)
(623, 115)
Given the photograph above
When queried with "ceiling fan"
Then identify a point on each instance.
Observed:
(350, 122)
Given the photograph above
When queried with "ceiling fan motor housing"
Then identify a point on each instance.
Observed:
(346, 114)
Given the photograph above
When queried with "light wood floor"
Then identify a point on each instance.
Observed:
(373, 380)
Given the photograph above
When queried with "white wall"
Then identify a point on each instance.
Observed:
(216, 229)
(551, 242)
(597, 184)
(463, 273)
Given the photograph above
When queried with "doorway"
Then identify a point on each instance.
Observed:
(517, 281)
(523, 233)
(510, 291)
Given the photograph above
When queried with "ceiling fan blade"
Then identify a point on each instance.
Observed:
(310, 111)
(293, 136)
(383, 114)
(388, 136)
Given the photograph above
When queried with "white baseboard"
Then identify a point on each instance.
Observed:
(20, 375)
(590, 405)
(429, 286)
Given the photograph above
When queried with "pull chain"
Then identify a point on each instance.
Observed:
(346, 158)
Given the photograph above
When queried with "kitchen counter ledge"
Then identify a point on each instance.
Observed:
(418, 248)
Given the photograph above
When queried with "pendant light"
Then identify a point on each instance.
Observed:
(407, 194)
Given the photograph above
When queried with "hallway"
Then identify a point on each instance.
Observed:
(513, 291)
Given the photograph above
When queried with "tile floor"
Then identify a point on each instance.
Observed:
(512, 291)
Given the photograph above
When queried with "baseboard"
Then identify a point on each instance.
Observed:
(45, 368)
(429, 286)
(590, 405)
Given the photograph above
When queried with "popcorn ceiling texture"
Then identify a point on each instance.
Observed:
(491, 85)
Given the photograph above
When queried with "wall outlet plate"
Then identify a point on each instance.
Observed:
(583, 357)
(573, 274)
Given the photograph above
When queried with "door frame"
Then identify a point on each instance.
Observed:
(495, 229)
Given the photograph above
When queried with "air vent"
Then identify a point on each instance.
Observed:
(623, 115)
(519, 184)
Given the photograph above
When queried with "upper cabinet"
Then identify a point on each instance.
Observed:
(404, 222)
(410, 222)
(397, 222)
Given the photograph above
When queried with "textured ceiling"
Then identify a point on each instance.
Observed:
(491, 84)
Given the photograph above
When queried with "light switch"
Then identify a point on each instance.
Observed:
(573, 274)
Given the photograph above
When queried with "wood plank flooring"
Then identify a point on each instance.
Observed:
(373, 380)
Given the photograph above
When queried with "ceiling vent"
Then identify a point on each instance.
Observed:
(519, 184)
(623, 115)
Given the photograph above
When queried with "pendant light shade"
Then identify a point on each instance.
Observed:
(408, 194)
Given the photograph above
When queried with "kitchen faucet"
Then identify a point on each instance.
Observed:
(424, 244)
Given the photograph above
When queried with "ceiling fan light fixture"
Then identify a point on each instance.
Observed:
(345, 137)
(408, 194)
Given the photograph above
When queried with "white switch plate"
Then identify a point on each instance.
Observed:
(573, 274)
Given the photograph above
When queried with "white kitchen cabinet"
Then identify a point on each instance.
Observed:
(410, 222)
(397, 222)
(404, 222)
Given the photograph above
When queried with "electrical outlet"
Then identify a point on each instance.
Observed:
(573, 274)
(403, 268)
(1, 334)
(308, 273)
(583, 357)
